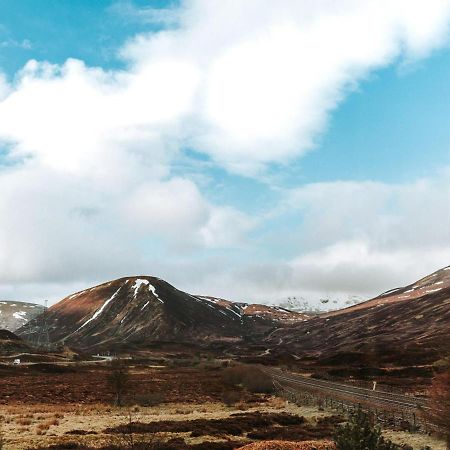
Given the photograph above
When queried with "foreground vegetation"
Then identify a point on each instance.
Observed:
(209, 405)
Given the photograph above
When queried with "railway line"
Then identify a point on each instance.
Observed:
(353, 394)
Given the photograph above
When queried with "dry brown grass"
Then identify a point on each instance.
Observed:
(285, 445)
(23, 421)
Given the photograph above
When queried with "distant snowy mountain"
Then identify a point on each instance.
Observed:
(15, 314)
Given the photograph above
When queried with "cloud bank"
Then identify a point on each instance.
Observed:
(88, 189)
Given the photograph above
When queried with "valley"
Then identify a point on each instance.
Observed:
(241, 373)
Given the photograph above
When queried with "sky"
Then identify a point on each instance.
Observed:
(251, 150)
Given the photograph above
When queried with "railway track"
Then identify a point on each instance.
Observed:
(338, 390)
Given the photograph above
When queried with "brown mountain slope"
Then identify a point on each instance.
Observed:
(144, 310)
(10, 343)
(434, 283)
(407, 326)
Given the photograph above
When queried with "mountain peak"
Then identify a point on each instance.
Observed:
(144, 309)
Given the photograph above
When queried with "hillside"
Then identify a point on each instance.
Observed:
(434, 283)
(408, 325)
(145, 310)
(14, 314)
(10, 343)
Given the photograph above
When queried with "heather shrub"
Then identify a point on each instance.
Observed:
(231, 397)
(255, 380)
(251, 377)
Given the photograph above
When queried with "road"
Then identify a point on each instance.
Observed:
(355, 394)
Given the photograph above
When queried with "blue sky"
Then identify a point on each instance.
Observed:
(257, 205)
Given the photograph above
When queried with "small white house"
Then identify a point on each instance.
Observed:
(16, 362)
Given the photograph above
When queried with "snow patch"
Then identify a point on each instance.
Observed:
(20, 315)
(234, 312)
(100, 310)
(389, 292)
(152, 289)
(137, 284)
(212, 300)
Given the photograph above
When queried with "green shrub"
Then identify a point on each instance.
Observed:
(359, 433)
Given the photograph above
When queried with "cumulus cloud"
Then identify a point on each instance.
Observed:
(362, 238)
(87, 121)
(166, 208)
(350, 239)
(90, 185)
(272, 72)
(248, 83)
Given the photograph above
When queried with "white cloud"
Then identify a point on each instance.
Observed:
(164, 208)
(53, 229)
(74, 118)
(126, 10)
(248, 83)
(363, 237)
(272, 71)
(351, 239)
(24, 44)
(226, 226)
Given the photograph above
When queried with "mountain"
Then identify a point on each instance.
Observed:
(13, 315)
(404, 326)
(408, 325)
(145, 310)
(437, 282)
(10, 343)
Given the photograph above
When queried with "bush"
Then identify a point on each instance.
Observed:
(251, 377)
(233, 376)
(118, 380)
(257, 381)
(231, 397)
(359, 433)
(439, 404)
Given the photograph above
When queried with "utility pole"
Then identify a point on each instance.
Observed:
(43, 338)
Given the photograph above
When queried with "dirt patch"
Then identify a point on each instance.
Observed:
(172, 444)
(235, 425)
(324, 428)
